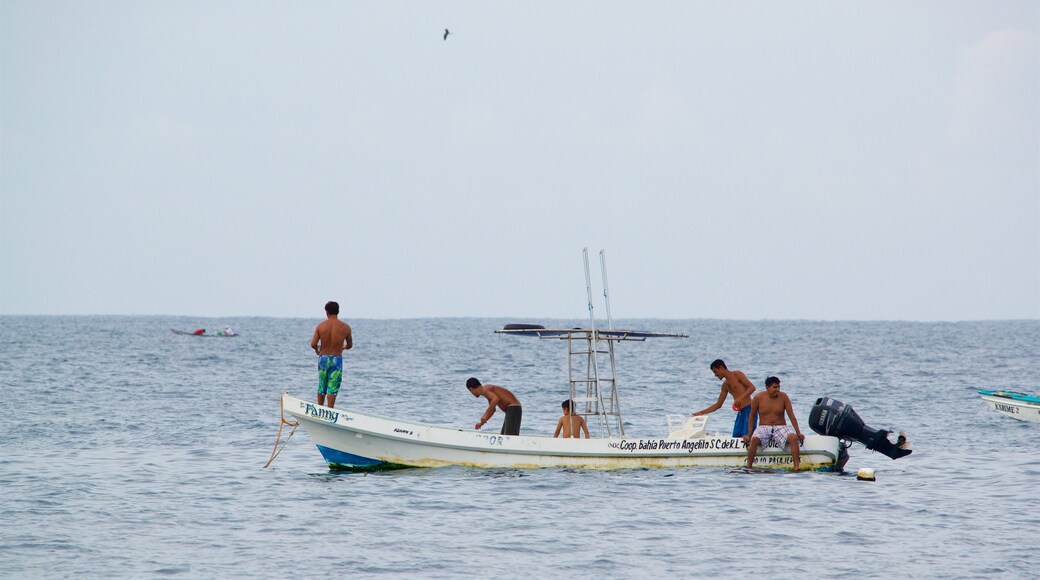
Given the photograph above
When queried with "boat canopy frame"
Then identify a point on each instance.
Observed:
(593, 389)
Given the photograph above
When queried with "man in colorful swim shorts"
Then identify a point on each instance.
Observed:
(770, 407)
(734, 383)
(331, 338)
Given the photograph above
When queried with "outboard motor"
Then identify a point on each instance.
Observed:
(834, 418)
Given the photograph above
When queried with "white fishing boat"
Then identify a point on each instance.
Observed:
(350, 439)
(1015, 405)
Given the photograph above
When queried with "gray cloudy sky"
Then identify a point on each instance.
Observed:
(741, 160)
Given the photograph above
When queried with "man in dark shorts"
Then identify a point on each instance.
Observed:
(330, 339)
(501, 398)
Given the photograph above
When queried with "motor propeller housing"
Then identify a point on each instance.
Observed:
(832, 417)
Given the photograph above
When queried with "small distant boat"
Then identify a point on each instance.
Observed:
(1015, 405)
(227, 333)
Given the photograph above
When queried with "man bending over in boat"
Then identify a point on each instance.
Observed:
(330, 339)
(737, 384)
(501, 398)
(571, 425)
(770, 407)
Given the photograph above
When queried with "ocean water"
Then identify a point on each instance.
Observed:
(128, 451)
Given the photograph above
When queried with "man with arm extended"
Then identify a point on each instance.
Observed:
(501, 398)
(331, 338)
(770, 407)
(737, 384)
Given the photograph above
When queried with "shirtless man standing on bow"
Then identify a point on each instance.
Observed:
(331, 338)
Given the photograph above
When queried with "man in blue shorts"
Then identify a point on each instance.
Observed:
(737, 384)
(331, 338)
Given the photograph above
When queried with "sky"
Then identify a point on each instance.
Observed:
(736, 160)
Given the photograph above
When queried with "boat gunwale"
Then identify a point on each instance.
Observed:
(1010, 397)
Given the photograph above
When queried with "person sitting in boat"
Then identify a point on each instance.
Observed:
(735, 383)
(199, 331)
(770, 407)
(571, 425)
(228, 331)
(498, 397)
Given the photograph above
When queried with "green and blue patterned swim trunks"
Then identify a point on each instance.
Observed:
(330, 374)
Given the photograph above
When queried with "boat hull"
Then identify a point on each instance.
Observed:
(1015, 405)
(351, 440)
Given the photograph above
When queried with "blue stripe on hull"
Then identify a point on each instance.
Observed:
(339, 460)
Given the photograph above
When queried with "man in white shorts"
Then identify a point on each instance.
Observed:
(770, 407)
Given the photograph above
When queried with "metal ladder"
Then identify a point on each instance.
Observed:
(594, 392)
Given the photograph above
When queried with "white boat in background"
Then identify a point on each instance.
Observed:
(201, 332)
(1015, 405)
(349, 439)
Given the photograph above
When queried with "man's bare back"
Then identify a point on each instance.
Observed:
(571, 426)
(332, 337)
(500, 397)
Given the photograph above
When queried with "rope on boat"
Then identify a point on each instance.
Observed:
(278, 449)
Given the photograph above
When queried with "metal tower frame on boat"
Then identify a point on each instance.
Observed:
(594, 389)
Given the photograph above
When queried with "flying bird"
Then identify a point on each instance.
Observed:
(446, 33)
